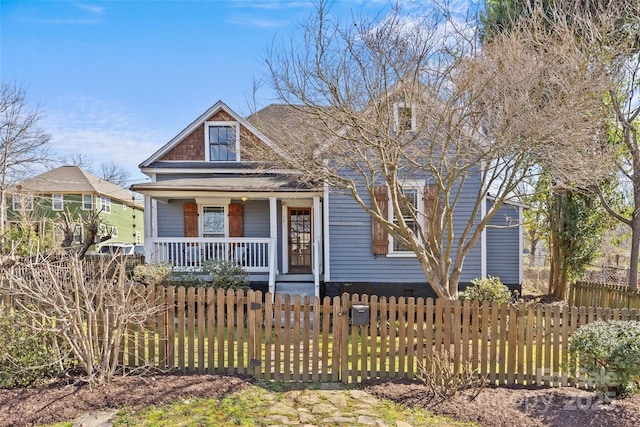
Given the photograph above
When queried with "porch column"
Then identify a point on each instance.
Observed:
(150, 231)
(273, 219)
(273, 238)
(317, 232)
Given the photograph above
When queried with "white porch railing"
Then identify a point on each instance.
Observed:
(255, 255)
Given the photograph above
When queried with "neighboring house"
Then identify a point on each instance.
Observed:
(41, 200)
(211, 197)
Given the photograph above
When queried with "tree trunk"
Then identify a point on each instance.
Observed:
(558, 261)
(635, 251)
(533, 243)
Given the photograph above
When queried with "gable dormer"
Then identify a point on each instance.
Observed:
(218, 136)
(215, 140)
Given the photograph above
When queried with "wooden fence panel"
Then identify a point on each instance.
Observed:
(289, 339)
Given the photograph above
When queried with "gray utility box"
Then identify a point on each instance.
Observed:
(360, 315)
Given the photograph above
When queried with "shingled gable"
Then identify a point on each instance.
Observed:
(189, 144)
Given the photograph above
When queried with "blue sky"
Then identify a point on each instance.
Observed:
(116, 80)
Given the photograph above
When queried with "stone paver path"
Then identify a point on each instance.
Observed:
(306, 408)
(325, 407)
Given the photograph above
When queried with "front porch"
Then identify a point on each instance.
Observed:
(257, 256)
(269, 235)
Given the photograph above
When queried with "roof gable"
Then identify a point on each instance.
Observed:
(189, 144)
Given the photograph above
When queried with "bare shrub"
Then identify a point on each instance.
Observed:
(87, 303)
(444, 380)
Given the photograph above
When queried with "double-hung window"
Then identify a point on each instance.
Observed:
(222, 141)
(213, 221)
(105, 204)
(410, 214)
(404, 118)
(87, 202)
(56, 202)
(23, 202)
(78, 233)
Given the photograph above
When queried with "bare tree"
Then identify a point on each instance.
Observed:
(412, 96)
(619, 52)
(81, 160)
(89, 305)
(87, 223)
(114, 173)
(23, 145)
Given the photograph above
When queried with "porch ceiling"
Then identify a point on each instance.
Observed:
(227, 184)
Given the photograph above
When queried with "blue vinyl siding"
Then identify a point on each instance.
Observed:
(351, 255)
(255, 218)
(503, 245)
(170, 218)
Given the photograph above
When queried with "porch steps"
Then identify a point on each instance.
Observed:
(296, 288)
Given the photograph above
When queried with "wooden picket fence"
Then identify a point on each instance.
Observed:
(311, 340)
(591, 294)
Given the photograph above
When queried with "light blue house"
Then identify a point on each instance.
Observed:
(211, 196)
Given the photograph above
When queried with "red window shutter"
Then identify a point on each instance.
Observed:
(380, 237)
(235, 220)
(432, 211)
(190, 219)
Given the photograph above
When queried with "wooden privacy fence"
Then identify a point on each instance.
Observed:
(591, 294)
(310, 340)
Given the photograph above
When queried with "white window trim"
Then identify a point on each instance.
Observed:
(201, 217)
(21, 199)
(93, 202)
(207, 151)
(114, 231)
(407, 185)
(294, 203)
(78, 230)
(53, 203)
(396, 116)
(103, 204)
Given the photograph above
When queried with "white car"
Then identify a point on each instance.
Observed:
(121, 249)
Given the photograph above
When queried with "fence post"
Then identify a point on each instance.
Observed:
(571, 289)
(343, 326)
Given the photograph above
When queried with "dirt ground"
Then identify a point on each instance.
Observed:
(492, 407)
(502, 406)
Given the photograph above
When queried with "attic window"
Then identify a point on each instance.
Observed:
(222, 141)
(403, 117)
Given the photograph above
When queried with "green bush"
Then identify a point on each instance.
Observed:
(188, 280)
(226, 274)
(488, 289)
(26, 355)
(609, 353)
(152, 274)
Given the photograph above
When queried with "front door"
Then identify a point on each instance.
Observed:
(300, 242)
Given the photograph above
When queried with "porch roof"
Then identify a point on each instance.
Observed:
(228, 184)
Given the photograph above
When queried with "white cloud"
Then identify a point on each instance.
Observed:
(102, 131)
(91, 8)
(270, 4)
(250, 21)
